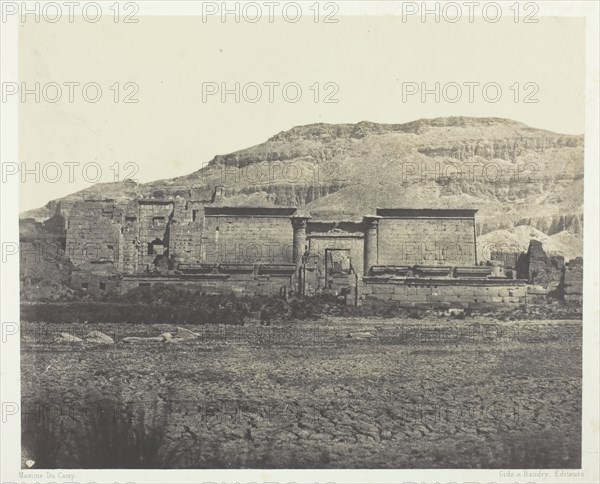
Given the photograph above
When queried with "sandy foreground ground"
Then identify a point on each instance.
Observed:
(338, 392)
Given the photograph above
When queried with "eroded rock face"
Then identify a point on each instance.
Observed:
(292, 195)
(499, 149)
(555, 224)
(342, 149)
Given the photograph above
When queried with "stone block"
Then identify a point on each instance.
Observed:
(383, 289)
(537, 290)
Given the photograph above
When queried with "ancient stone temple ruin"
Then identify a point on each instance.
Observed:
(394, 256)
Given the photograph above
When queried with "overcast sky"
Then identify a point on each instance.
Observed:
(173, 131)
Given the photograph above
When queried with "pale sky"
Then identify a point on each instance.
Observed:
(172, 132)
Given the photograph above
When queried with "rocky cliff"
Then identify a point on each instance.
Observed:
(515, 175)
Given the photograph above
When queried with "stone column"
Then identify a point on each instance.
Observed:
(299, 223)
(371, 223)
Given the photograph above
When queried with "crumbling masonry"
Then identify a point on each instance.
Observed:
(395, 256)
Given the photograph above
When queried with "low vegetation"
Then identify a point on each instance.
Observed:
(167, 304)
(97, 432)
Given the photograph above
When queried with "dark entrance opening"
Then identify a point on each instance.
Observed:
(338, 268)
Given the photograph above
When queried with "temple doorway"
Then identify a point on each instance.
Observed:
(338, 268)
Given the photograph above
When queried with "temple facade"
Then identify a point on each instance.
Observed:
(394, 256)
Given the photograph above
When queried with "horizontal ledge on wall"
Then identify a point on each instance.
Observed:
(250, 211)
(433, 281)
(467, 213)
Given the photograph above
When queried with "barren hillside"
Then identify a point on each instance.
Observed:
(515, 175)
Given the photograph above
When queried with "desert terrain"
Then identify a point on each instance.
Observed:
(436, 391)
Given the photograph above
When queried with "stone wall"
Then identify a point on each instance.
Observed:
(131, 244)
(426, 238)
(94, 238)
(238, 284)
(248, 235)
(508, 259)
(410, 256)
(573, 281)
(443, 292)
(95, 283)
(185, 232)
(153, 236)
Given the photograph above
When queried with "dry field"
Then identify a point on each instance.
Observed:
(334, 393)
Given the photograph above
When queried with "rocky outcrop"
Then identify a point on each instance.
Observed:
(380, 149)
(553, 225)
(292, 195)
(501, 149)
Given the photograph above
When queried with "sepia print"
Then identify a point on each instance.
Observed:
(301, 235)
